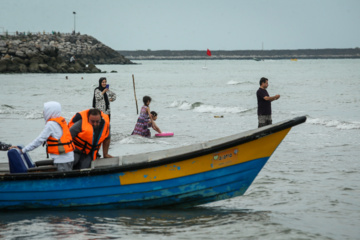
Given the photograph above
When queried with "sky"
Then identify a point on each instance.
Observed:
(193, 24)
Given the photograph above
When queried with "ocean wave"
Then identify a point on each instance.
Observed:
(342, 125)
(232, 82)
(34, 115)
(204, 108)
(135, 139)
(6, 109)
(184, 105)
(7, 106)
(214, 109)
(28, 114)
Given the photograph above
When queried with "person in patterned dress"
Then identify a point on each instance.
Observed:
(145, 119)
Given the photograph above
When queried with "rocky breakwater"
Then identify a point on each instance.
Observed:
(51, 53)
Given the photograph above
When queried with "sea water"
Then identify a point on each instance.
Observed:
(309, 189)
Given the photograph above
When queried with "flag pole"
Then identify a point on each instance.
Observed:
(137, 110)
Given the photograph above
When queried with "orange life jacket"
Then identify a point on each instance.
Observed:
(85, 141)
(62, 145)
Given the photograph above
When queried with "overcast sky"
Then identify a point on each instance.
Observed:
(193, 24)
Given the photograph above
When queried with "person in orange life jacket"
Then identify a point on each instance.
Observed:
(89, 129)
(58, 139)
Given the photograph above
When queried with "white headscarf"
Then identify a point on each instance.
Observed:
(52, 110)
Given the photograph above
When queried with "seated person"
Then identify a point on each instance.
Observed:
(57, 137)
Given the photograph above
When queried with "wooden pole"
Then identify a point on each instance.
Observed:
(137, 110)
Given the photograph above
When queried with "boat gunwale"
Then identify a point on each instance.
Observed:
(111, 169)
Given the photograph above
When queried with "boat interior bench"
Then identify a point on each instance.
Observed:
(22, 163)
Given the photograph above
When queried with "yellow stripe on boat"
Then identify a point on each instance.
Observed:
(259, 148)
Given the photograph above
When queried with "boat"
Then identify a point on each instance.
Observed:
(180, 177)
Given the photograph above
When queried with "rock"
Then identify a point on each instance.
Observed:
(13, 68)
(20, 54)
(52, 70)
(34, 67)
(3, 43)
(23, 68)
(11, 51)
(15, 42)
(3, 65)
(77, 67)
(71, 70)
(95, 70)
(51, 54)
(37, 59)
(44, 67)
(63, 65)
(3, 50)
(31, 52)
(17, 60)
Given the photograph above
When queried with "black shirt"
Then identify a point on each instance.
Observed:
(264, 107)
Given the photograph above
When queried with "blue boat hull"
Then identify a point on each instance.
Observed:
(181, 177)
(104, 191)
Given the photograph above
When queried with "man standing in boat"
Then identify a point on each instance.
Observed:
(89, 130)
(264, 103)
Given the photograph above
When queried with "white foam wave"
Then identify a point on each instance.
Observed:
(203, 108)
(174, 104)
(28, 114)
(185, 106)
(35, 115)
(134, 139)
(6, 111)
(232, 82)
(342, 125)
(214, 109)
(182, 105)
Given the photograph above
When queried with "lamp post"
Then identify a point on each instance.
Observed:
(74, 22)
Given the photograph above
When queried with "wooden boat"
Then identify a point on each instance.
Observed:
(180, 177)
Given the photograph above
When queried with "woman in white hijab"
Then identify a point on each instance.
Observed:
(55, 130)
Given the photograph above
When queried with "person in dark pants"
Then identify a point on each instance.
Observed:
(90, 129)
(264, 103)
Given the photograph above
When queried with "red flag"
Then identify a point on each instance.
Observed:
(208, 53)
